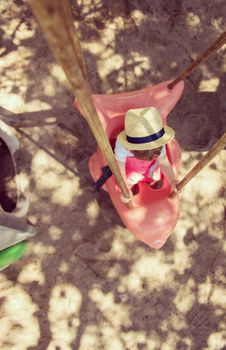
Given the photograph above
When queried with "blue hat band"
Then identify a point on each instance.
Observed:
(146, 139)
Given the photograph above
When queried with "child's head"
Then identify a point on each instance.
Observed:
(149, 154)
(144, 132)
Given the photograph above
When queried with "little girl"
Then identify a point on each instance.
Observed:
(140, 149)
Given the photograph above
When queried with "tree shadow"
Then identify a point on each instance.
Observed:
(205, 314)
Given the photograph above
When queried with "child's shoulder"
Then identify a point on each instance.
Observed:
(163, 152)
(121, 153)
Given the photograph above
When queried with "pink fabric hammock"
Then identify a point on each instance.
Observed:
(154, 214)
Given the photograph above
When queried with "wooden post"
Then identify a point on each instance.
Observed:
(212, 49)
(217, 147)
(56, 21)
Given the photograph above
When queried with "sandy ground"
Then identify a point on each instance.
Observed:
(85, 281)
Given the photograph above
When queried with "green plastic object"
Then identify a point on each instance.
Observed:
(12, 254)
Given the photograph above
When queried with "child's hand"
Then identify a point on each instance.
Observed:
(174, 185)
(126, 200)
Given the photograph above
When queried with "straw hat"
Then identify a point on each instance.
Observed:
(144, 130)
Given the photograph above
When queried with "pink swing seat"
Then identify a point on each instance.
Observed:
(154, 214)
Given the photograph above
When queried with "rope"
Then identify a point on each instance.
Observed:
(213, 152)
(212, 49)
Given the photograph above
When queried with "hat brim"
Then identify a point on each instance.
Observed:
(168, 135)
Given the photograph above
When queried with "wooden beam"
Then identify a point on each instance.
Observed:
(56, 21)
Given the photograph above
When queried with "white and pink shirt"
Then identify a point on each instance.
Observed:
(137, 170)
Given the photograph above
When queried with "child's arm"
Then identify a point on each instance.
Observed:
(120, 156)
(122, 169)
(167, 170)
